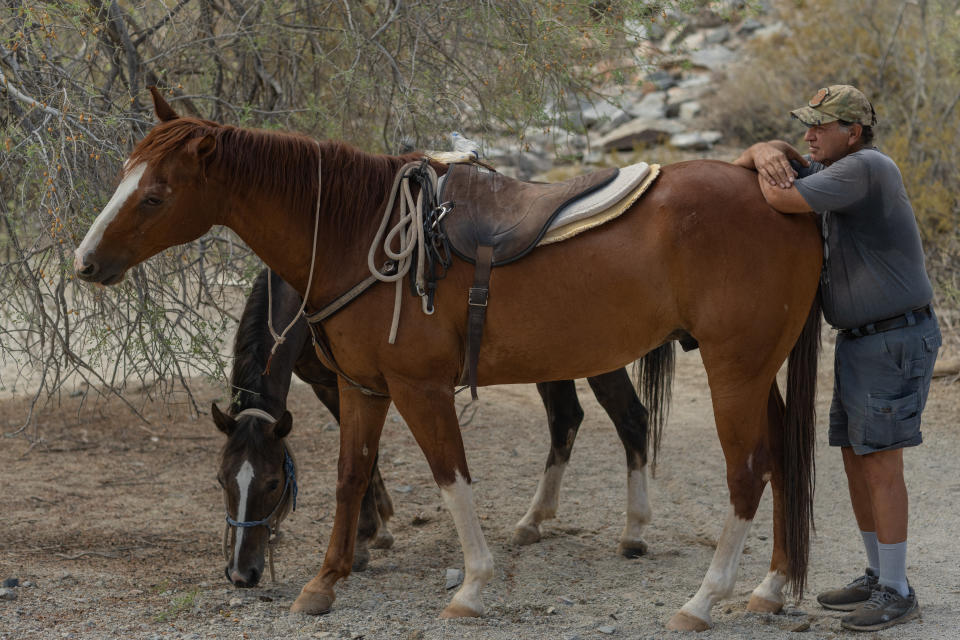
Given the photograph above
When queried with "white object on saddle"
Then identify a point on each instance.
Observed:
(452, 157)
(603, 198)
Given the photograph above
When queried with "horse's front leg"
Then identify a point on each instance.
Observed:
(361, 421)
(428, 408)
(564, 416)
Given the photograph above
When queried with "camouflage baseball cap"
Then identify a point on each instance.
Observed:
(836, 102)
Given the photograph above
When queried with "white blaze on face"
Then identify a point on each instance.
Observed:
(129, 184)
(244, 479)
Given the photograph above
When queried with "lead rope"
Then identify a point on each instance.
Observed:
(282, 337)
(409, 230)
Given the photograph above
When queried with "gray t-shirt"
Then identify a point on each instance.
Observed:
(873, 259)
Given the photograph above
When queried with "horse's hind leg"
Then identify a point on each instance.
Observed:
(740, 409)
(768, 596)
(616, 395)
(564, 416)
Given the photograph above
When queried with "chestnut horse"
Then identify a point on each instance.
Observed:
(257, 481)
(700, 253)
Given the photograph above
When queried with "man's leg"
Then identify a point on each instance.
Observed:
(878, 494)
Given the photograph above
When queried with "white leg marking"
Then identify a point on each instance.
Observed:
(545, 500)
(128, 186)
(772, 587)
(638, 506)
(244, 478)
(477, 560)
(718, 583)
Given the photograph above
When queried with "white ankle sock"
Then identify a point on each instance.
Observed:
(893, 566)
(873, 553)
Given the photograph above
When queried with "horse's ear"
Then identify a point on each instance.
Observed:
(203, 146)
(163, 110)
(281, 428)
(224, 422)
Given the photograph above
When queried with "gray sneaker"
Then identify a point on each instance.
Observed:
(885, 608)
(851, 596)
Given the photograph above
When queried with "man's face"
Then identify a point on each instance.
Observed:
(830, 142)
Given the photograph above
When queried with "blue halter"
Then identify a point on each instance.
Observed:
(289, 481)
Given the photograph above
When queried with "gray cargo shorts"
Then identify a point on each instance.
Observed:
(880, 387)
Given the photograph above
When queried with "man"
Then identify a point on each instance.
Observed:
(876, 292)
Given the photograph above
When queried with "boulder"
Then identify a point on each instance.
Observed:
(695, 140)
(640, 132)
(714, 57)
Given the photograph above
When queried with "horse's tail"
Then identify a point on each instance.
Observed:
(654, 376)
(798, 446)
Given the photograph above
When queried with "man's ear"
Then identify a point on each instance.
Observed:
(164, 111)
(856, 133)
(224, 422)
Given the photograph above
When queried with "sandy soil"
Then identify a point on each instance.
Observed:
(113, 529)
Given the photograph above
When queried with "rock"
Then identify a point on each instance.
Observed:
(714, 57)
(689, 110)
(749, 26)
(236, 602)
(696, 140)
(7, 594)
(603, 115)
(803, 626)
(551, 611)
(404, 488)
(454, 578)
(565, 600)
(11, 582)
(661, 79)
(685, 92)
(28, 584)
(640, 132)
(420, 519)
(770, 30)
(331, 426)
(718, 35)
(651, 105)
(606, 629)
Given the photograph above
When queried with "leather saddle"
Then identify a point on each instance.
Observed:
(494, 220)
(510, 216)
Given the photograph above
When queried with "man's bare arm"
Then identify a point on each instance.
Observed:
(783, 200)
(772, 161)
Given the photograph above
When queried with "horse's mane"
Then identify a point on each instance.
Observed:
(251, 352)
(355, 184)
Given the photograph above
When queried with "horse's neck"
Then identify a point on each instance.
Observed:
(282, 234)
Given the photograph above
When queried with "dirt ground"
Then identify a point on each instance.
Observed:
(113, 529)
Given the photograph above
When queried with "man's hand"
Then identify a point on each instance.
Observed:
(771, 160)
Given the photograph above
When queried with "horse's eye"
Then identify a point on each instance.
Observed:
(273, 485)
(151, 201)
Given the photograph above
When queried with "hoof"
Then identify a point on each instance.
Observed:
(527, 534)
(384, 539)
(312, 603)
(632, 548)
(458, 610)
(683, 621)
(762, 605)
(360, 560)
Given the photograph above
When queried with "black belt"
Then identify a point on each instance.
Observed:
(896, 322)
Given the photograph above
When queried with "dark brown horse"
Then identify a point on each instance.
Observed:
(253, 472)
(701, 253)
